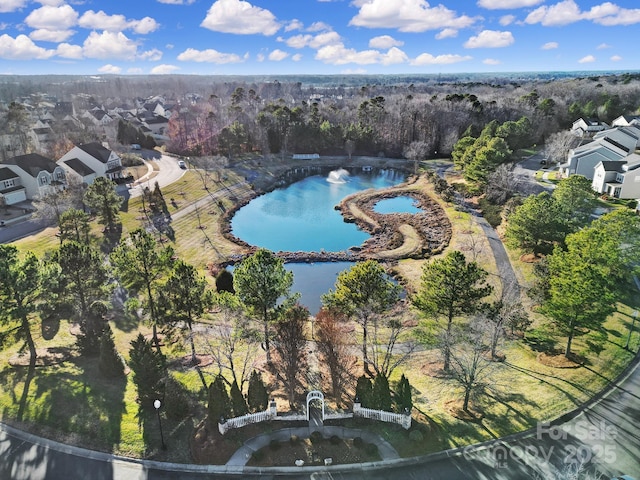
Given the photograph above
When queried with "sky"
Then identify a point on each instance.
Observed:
(279, 37)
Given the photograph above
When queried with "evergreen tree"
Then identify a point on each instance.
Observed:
(403, 395)
(364, 391)
(257, 395)
(237, 401)
(148, 367)
(219, 403)
(111, 363)
(224, 281)
(92, 325)
(381, 393)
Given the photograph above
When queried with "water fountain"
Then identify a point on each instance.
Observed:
(338, 176)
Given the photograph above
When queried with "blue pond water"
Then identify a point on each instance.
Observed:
(301, 217)
(402, 204)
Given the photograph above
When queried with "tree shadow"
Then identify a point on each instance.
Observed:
(111, 238)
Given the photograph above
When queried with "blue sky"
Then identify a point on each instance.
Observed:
(236, 37)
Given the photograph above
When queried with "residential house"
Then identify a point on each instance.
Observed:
(11, 188)
(74, 166)
(38, 174)
(626, 121)
(618, 179)
(97, 158)
(583, 159)
(588, 127)
(628, 136)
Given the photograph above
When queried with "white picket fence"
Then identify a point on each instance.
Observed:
(272, 414)
(381, 415)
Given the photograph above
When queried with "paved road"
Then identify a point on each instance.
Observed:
(604, 435)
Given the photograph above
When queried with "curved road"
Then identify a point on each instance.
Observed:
(601, 440)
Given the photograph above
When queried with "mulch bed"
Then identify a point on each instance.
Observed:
(454, 408)
(559, 360)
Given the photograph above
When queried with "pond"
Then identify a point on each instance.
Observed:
(301, 216)
(401, 204)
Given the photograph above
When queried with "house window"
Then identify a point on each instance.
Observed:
(9, 183)
(620, 178)
(44, 181)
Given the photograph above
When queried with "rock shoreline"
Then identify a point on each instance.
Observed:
(432, 225)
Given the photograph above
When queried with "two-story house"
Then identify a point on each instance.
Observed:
(98, 159)
(38, 174)
(11, 188)
(618, 179)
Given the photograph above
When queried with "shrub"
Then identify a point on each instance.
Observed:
(257, 456)
(492, 213)
(358, 442)
(274, 445)
(294, 440)
(416, 436)
(111, 363)
(316, 437)
(371, 449)
(335, 440)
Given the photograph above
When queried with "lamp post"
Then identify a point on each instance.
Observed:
(634, 315)
(157, 404)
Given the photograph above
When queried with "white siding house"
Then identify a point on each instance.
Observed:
(98, 159)
(582, 160)
(11, 188)
(619, 179)
(38, 174)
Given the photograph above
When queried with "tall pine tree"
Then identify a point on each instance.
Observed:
(257, 395)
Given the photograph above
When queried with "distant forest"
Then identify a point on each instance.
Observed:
(367, 115)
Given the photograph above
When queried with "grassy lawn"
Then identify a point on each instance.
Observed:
(72, 402)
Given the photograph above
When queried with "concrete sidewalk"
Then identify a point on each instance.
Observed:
(243, 454)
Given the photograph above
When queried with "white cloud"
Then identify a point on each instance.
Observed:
(340, 55)
(164, 69)
(315, 42)
(568, 11)
(57, 36)
(260, 57)
(152, 55)
(52, 18)
(507, 20)
(615, 58)
(491, 61)
(116, 23)
(177, 2)
(407, 16)
(428, 59)
(4, 26)
(506, 4)
(110, 69)
(490, 39)
(210, 55)
(22, 48)
(67, 50)
(384, 42)
(318, 27)
(53, 3)
(603, 46)
(550, 46)
(7, 6)
(109, 45)
(237, 16)
(587, 59)
(447, 33)
(294, 24)
(278, 55)
(297, 57)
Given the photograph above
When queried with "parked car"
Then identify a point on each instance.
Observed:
(182, 165)
(135, 146)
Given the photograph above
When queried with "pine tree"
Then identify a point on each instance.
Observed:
(237, 401)
(381, 393)
(224, 281)
(219, 403)
(364, 391)
(148, 366)
(111, 363)
(403, 395)
(257, 395)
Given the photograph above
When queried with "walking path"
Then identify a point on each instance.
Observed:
(243, 454)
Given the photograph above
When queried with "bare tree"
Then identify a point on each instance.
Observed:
(558, 145)
(334, 342)
(502, 184)
(386, 352)
(289, 344)
(232, 342)
(416, 151)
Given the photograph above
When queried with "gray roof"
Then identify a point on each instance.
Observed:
(97, 151)
(613, 165)
(77, 166)
(7, 173)
(33, 163)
